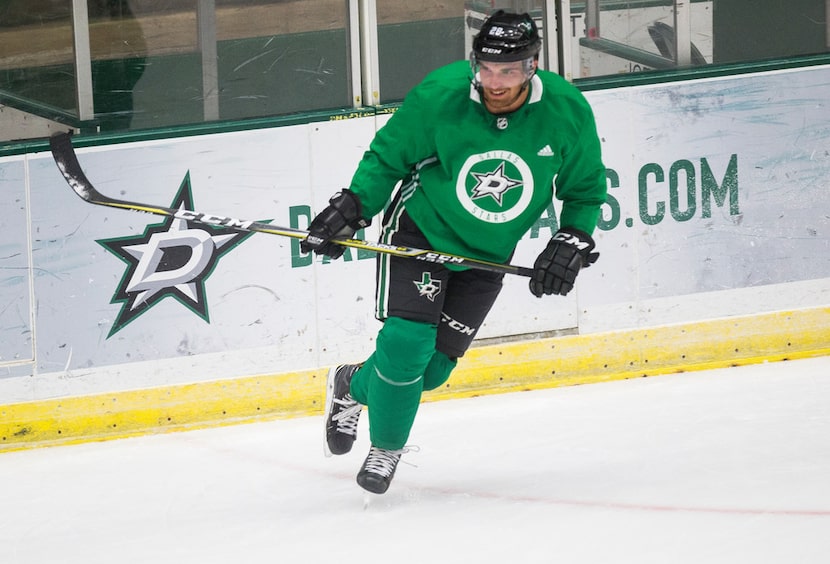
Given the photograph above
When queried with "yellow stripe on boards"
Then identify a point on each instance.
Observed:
(508, 367)
(174, 408)
(601, 357)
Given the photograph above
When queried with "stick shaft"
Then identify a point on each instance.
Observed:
(64, 154)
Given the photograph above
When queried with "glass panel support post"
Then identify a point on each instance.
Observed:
(592, 26)
(206, 24)
(83, 60)
(683, 32)
(354, 61)
(558, 50)
(369, 52)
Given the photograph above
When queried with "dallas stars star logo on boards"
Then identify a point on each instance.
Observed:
(170, 259)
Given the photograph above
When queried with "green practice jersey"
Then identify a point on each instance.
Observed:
(475, 182)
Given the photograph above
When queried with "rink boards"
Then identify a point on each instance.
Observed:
(714, 251)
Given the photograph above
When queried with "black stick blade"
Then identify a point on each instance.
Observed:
(64, 154)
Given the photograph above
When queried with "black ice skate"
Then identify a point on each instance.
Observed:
(342, 411)
(378, 469)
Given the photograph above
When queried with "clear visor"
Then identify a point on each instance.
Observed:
(502, 74)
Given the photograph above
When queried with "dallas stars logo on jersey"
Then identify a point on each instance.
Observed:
(496, 186)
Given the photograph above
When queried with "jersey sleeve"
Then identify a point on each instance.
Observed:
(580, 183)
(404, 141)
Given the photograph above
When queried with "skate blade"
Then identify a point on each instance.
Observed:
(329, 405)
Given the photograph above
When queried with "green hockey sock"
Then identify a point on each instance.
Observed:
(392, 380)
(438, 370)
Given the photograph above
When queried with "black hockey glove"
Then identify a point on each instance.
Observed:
(555, 270)
(340, 219)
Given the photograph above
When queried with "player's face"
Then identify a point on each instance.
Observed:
(501, 84)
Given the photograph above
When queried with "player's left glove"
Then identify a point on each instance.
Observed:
(339, 220)
(555, 270)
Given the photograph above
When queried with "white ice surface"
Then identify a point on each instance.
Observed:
(728, 466)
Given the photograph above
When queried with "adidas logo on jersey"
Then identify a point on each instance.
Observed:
(545, 151)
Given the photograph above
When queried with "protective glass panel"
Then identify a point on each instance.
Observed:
(754, 30)
(37, 69)
(611, 37)
(414, 38)
(278, 57)
(175, 62)
(161, 63)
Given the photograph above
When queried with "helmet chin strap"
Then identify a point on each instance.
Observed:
(476, 83)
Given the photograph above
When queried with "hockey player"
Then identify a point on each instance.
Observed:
(479, 155)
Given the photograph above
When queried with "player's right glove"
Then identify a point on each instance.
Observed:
(555, 270)
(340, 219)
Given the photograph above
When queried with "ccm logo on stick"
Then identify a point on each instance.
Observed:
(439, 258)
(213, 219)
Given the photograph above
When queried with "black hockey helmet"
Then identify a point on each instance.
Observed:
(506, 37)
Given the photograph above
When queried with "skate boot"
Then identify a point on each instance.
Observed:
(342, 411)
(378, 469)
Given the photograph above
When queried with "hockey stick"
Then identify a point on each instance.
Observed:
(64, 154)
